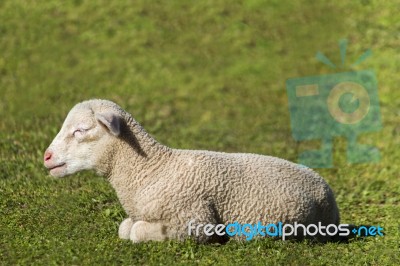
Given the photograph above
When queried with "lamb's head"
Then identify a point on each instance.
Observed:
(90, 130)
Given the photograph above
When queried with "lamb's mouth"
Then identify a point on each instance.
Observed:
(55, 167)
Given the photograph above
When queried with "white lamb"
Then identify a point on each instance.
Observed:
(162, 189)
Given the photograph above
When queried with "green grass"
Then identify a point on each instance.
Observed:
(199, 75)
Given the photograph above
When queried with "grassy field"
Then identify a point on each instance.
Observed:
(199, 75)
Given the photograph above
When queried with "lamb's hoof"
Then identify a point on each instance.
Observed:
(125, 227)
(137, 232)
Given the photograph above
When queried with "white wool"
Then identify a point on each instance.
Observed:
(162, 189)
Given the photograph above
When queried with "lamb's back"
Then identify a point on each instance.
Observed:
(250, 187)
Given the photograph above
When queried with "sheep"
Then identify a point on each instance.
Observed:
(163, 189)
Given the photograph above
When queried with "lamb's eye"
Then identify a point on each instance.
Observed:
(78, 132)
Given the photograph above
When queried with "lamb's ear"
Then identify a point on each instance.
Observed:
(111, 121)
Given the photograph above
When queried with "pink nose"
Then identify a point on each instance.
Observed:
(47, 156)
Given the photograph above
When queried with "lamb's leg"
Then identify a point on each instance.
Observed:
(144, 231)
(125, 227)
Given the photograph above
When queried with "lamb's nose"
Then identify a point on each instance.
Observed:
(47, 155)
